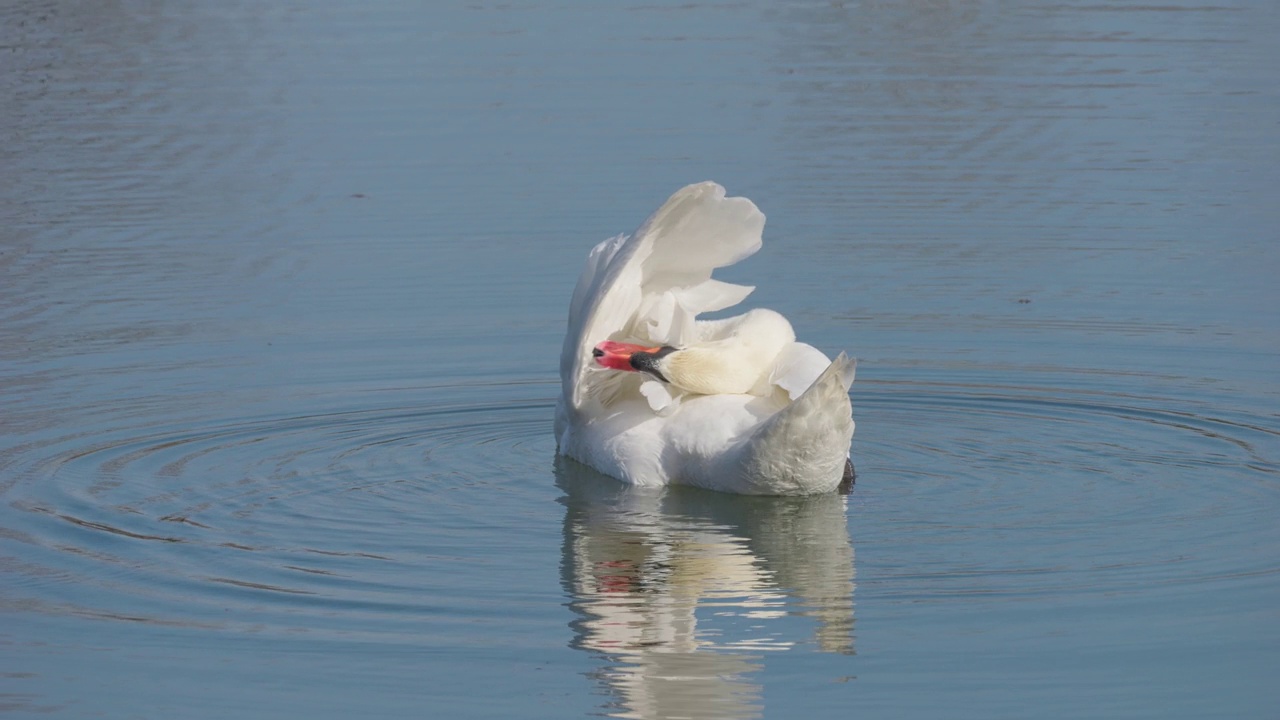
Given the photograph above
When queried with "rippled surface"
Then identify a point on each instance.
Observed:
(281, 295)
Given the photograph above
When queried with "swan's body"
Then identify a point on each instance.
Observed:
(734, 404)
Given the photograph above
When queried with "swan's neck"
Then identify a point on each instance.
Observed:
(735, 359)
(710, 371)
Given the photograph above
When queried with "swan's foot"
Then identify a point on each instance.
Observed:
(847, 480)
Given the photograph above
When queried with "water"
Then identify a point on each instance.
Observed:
(282, 289)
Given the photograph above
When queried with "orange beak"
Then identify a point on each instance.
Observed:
(617, 356)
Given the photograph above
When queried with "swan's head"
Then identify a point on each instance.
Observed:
(633, 358)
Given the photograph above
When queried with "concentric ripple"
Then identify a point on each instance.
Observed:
(360, 521)
(362, 511)
(1082, 491)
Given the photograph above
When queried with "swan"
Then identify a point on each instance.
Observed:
(651, 395)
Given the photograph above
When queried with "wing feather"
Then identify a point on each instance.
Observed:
(650, 285)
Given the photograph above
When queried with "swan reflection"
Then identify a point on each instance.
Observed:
(682, 593)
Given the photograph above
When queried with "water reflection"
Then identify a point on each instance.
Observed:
(680, 593)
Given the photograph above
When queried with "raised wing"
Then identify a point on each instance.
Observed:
(650, 286)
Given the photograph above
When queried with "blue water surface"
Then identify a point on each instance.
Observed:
(283, 286)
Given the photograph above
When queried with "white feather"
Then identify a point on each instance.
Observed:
(748, 408)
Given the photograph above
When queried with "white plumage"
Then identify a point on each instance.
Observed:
(744, 407)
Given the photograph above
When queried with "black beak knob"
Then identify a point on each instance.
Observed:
(597, 352)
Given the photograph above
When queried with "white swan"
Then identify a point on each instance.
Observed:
(651, 395)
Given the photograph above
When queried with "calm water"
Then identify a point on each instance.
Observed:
(282, 288)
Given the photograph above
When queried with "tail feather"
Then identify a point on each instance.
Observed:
(803, 448)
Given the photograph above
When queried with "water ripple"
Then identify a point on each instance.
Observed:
(345, 510)
(332, 509)
(1094, 492)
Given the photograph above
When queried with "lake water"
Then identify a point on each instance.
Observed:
(282, 288)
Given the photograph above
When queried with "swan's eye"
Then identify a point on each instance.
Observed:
(597, 352)
(647, 362)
